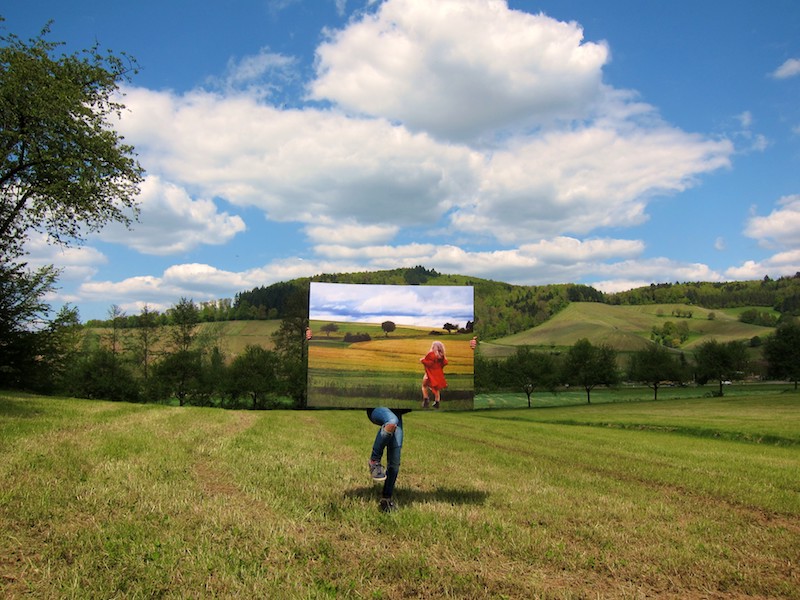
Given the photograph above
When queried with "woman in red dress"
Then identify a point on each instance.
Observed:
(433, 381)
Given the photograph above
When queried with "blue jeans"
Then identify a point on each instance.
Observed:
(392, 442)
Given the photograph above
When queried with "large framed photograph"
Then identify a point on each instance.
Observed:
(401, 346)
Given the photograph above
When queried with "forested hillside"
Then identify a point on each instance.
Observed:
(504, 309)
(783, 294)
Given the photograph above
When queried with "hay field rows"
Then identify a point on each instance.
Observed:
(635, 500)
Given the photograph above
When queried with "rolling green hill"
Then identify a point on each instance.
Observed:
(232, 336)
(238, 334)
(625, 328)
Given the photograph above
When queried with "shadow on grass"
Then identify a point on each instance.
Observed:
(12, 407)
(408, 497)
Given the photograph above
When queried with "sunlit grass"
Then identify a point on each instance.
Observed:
(611, 500)
(627, 328)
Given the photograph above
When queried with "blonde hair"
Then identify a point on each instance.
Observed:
(438, 349)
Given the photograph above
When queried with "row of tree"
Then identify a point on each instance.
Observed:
(588, 366)
(782, 294)
(177, 361)
(181, 361)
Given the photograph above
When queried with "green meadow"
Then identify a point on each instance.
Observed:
(680, 498)
(231, 336)
(626, 328)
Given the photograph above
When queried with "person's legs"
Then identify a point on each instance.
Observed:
(389, 437)
(393, 454)
(388, 422)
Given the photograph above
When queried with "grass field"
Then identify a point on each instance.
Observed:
(625, 328)
(681, 498)
(232, 336)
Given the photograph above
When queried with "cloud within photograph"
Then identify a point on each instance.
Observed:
(401, 346)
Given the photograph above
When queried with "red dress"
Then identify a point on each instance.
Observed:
(434, 370)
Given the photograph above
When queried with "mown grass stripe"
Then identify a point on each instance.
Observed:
(191, 502)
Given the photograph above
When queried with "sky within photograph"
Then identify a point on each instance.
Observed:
(416, 305)
(615, 144)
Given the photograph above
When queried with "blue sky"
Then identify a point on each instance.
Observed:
(421, 305)
(614, 143)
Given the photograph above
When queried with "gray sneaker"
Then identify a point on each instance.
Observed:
(377, 471)
(387, 505)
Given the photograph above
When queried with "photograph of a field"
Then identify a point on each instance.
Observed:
(355, 375)
(367, 342)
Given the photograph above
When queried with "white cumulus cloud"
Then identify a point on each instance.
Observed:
(777, 265)
(577, 181)
(171, 221)
(297, 165)
(459, 68)
(781, 227)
